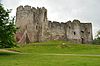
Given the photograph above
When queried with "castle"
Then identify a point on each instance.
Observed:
(35, 27)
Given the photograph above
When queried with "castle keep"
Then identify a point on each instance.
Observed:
(35, 27)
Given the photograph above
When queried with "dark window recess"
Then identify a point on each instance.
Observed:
(44, 15)
(82, 31)
(74, 33)
(82, 40)
(69, 27)
(85, 29)
(88, 32)
(36, 27)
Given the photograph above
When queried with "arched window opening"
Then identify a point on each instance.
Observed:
(88, 32)
(69, 27)
(82, 31)
(82, 40)
(74, 33)
(36, 27)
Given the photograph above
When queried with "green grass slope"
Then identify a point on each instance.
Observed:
(53, 53)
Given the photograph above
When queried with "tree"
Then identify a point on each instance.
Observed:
(97, 39)
(98, 34)
(7, 29)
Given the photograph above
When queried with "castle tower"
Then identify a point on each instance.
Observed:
(32, 23)
(78, 32)
(72, 30)
(86, 33)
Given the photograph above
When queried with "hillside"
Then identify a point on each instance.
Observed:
(52, 53)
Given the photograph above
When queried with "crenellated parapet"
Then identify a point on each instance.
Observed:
(20, 8)
(33, 9)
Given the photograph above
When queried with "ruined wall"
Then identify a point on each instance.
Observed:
(24, 20)
(31, 21)
(73, 31)
(86, 32)
(35, 27)
(56, 30)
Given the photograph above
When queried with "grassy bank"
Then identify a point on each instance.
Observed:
(34, 55)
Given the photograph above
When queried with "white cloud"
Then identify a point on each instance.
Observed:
(0, 1)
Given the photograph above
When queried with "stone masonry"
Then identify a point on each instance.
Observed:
(35, 27)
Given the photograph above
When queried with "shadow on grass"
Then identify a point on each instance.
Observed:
(7, 53)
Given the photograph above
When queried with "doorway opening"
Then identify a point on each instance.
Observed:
(82, 40)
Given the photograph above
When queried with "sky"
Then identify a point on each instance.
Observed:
(63, 10)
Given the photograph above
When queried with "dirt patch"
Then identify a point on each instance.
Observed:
(11, 51)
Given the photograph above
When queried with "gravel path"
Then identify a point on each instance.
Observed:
(51, 54)
(72, 54)
(10, 51)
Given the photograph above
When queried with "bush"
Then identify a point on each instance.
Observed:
(96, 40)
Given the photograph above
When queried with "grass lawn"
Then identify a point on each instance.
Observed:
(34, 55)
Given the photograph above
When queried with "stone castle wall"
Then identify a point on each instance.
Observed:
(31, 21)
(56, 30)
(35, 27)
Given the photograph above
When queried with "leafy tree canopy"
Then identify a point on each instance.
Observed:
(7, 29)
(97, 39)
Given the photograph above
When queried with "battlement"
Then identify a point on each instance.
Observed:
(20, 8)
(27, 7)
(64, 23)
(68, 23)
